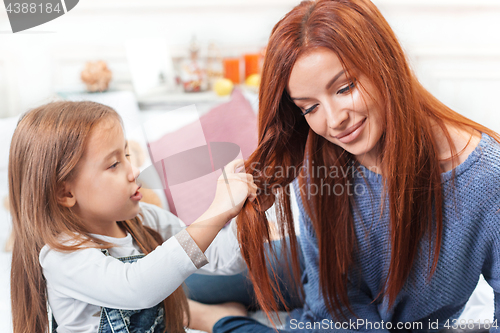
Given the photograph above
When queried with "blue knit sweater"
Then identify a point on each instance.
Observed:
(470, 246)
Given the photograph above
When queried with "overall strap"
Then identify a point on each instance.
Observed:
(127, 321)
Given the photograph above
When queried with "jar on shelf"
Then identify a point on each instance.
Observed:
(215, 70)
(192, 72)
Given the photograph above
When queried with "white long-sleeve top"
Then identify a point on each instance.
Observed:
(79, 283)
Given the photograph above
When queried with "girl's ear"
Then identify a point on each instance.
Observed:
(64, 195)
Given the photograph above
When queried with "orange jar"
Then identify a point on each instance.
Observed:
(232, 69)
(252, 64)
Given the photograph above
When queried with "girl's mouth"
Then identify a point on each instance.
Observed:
(137, 195)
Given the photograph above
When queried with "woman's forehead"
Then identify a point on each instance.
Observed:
(317, 64)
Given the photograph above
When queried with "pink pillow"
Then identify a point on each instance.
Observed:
(191, 167)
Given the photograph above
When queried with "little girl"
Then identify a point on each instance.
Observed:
(81, 235)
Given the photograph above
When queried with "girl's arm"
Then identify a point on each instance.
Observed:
(232, 191)
(89, 276)
(223, 255)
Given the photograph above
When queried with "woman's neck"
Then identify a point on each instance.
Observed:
(464, 142)
(373, 160)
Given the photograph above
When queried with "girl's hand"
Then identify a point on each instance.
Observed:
(233, 188)
(232, 191)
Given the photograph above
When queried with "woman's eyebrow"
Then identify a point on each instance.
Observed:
(335, 78)
(328, 85)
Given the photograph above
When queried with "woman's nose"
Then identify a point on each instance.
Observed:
(335, 116)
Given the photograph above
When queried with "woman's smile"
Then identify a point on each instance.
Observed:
(351, 133)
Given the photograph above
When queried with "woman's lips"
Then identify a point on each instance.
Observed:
(351, 133)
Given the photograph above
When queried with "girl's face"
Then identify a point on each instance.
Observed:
(337, 107)
(104, 186)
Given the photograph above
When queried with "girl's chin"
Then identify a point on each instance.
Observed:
(131, 215)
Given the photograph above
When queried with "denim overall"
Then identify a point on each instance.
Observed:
(129, 321)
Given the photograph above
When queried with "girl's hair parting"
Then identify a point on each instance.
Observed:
(361, 38)
(46, 147)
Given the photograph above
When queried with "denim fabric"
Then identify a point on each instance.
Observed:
(132, 321)
(216, 289)
(243, 325)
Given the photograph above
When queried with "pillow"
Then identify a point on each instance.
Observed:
(7, 127)
(189, 159)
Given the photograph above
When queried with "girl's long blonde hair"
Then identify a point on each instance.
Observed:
(45, 150)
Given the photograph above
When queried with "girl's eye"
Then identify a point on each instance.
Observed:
(127, 156)
(346, 89)
(306, 111)
(114, 165)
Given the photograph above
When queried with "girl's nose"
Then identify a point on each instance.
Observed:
(134, 174)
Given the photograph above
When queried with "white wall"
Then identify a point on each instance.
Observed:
(454, 45)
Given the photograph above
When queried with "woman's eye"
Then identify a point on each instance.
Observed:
(346, 89)
(306, 111)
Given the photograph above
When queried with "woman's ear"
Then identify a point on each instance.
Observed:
(64, 195)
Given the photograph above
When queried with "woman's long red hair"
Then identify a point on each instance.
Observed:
(358, 34)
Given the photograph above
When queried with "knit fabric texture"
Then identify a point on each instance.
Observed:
(470, 247)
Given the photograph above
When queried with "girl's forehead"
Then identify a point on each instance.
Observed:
(109, 123)
(108, 134)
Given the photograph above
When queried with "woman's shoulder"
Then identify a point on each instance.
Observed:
(464, 143)
(477, 180)
(484, 160)
(479, 157)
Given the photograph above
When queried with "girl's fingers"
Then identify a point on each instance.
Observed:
(246, 177)
(252, 192)
(233, 165)
(249, 177)
(252, 187)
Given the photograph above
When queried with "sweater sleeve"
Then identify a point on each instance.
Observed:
(223, 256)
(91, 277)
(491, 273)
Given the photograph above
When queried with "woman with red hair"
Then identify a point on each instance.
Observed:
(398, 194)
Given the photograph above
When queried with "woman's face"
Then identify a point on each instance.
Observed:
(337, 107)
